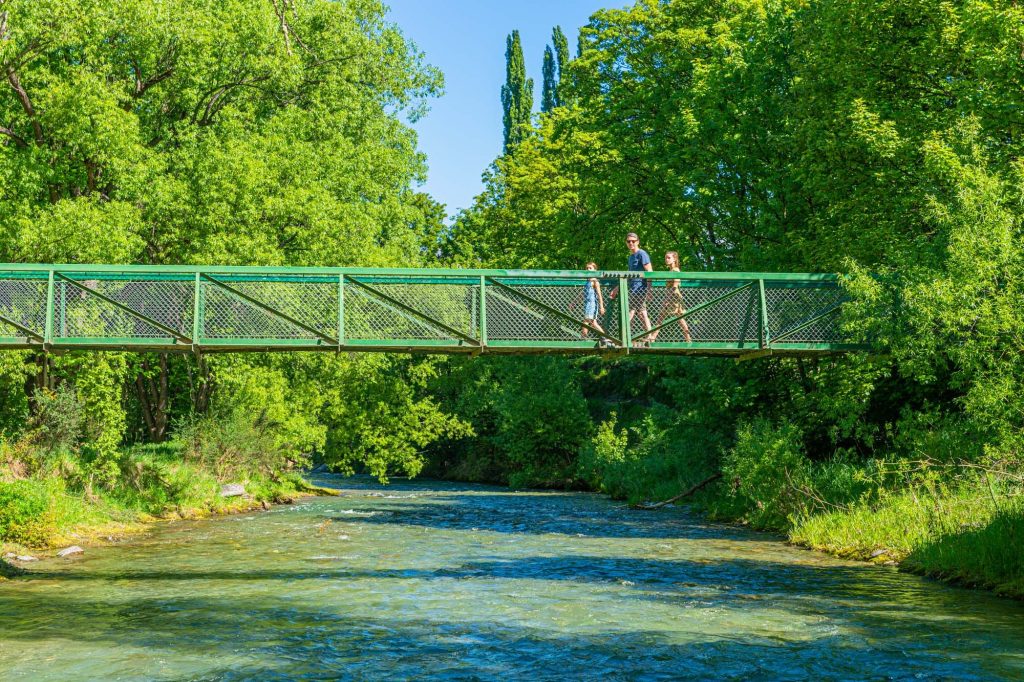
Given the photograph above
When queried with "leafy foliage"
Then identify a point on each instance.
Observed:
(238, 132)
(877, 138)
(516, 94)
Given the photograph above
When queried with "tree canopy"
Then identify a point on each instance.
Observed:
(876, 138)
(270, 132)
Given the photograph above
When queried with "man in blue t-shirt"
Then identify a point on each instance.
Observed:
(639, 288)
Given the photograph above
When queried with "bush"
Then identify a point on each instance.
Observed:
(234, 445)
(27, 514)
(602, 460)
(58, 421)
(768, 473)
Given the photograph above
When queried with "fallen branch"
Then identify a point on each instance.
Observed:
(658, 505)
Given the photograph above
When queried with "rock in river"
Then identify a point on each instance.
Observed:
(68, 551)
(232, 490)
(25, 557)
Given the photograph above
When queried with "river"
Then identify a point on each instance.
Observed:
(432, 580)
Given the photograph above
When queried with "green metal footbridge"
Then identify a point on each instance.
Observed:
(202, 309)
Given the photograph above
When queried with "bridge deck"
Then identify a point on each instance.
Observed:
(234, 309)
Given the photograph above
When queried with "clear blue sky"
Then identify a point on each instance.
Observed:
(466, 39)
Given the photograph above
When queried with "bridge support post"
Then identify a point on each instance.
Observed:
(625, 327)
(765, 335)
(341, 311)
(483, 313)
(48, 327)
(197, 314)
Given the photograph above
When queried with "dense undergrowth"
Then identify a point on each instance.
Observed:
(55, 488)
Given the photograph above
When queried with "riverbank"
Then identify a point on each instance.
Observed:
(970, 535)
(53, 509)
(964, 539)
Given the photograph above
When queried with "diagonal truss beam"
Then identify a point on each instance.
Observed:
(807, 323)
(22, 328)
(695, 309)
(121, 306)
(552, 310)
(273, 312)
(412, 311)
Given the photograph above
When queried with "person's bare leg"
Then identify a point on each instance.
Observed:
(661, 319)
(645, 318)
(686, 330)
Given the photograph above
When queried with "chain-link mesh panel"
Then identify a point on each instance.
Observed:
(370, 315)
(731, 319)
(24, 302)
(790, 308)
(521, 312)
(528, 310)
(80, 313)
(229, 316)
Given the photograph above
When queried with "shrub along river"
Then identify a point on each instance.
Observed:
(435, 580)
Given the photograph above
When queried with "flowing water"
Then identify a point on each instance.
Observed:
(442, 581)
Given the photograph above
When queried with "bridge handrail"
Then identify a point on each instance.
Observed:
(427, 272)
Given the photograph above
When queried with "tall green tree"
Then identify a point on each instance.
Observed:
(561, 46)
(516, 94)
(556, 59)
(212, 132)
(549, 90)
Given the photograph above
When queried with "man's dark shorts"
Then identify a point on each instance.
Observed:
(638, 298)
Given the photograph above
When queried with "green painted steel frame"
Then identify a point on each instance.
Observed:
(480, 339)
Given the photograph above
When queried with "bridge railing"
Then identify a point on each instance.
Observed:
(231, 309)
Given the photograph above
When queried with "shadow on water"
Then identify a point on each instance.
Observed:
(521, 513)
(845, 593)
(270, 639)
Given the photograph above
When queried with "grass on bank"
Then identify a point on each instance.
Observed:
(56, 490)
(49, 508)
(964, 536)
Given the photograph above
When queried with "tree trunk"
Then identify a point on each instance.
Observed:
(681, 495)
(200, 381)
(41, 379)
(153, 399)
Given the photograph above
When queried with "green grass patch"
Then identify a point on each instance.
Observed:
(989, 554)
(153, 481)
(968, 535)
(37, 513)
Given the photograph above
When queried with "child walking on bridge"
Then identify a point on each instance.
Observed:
(593, 302)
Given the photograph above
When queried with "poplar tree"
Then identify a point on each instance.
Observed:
(549, 95)
(561, 44)
(555, 61)
(516, 94)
